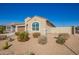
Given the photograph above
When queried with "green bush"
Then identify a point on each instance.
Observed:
(6, 45)
(36, 35)
(17, 33)
(23, 36)
(60, 40)
(42, 40)
(2, 29)
(64, 35)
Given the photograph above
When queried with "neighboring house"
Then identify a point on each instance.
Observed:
(37, 24)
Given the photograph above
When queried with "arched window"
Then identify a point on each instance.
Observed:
(35, 26)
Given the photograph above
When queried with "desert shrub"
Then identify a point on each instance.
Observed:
(23, 36)
(17, 33)
(6, 45)
(42, 39)
(60, 40)
(64, 35)
(2, 29)
(36, 35)
(3, 37)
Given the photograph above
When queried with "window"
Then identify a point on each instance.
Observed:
(35, 26)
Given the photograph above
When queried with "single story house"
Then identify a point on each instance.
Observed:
(37, 24)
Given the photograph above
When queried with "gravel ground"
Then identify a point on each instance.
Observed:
(51, 48)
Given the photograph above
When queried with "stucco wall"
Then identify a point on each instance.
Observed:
(60, 30)
(42, 24)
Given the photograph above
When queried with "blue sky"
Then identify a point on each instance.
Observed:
(59, 14)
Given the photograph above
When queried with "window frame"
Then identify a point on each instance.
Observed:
(35, 26)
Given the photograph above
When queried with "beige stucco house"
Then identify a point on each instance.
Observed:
(37, 24)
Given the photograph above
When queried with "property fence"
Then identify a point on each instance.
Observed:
(60, 30)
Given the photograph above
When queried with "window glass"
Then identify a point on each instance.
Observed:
(35, 26)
